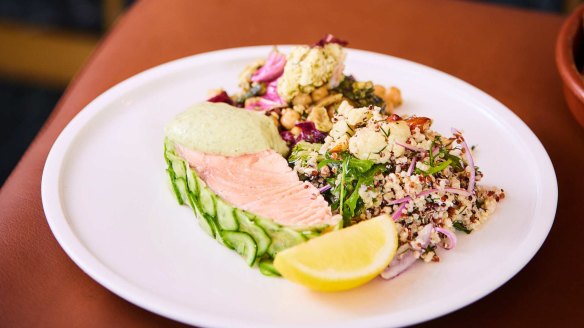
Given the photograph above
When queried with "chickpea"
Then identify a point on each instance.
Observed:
(393, 96)
(331, 111)
(302, 99)
(289, 118)
(300, 109)
(319, 93)
(295, 131)
(379, 91)
(330, 100)
(249, 101)
(276, 118)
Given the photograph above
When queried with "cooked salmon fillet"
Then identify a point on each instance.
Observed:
(263, 184)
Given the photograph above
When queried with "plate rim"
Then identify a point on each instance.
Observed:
(77, 251)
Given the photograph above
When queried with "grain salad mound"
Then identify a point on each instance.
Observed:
(372, 163)
(365, 160)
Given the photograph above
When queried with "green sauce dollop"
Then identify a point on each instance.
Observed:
(218, 128)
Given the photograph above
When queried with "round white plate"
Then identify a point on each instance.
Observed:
(105, 197)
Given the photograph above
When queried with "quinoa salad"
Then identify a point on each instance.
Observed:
(349, 139)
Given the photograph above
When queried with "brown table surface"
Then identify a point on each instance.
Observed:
(508, 53)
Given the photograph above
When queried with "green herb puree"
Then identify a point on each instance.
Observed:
(218, 128)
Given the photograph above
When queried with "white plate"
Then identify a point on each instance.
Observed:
(107, 202)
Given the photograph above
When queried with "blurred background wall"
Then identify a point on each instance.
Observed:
(44, 42)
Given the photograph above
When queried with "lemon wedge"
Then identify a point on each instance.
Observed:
(341, 259)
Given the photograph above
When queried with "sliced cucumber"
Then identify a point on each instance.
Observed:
(282, 237)
(267, 268)
(178, 166)
(173, 186)
(225, 216)
(191, 180)
(206, 199)
(181, 185)
(246, 224)
(254, 238)
(242, 243)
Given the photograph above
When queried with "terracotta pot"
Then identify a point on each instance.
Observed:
(570, 62)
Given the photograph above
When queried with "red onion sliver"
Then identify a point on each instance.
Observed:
(458, 191)
(404, 261)
(427, 192)
(412, 166)
(425, 234)
(398, 212)
(325, 188)
(450, 235)
(399, 201)
(400, 263)
(410, 147)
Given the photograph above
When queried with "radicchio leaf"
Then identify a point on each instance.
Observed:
(309, 133)
(271, 99)
(272, 69)
(221, 97)
(288, 137)
(329, 38)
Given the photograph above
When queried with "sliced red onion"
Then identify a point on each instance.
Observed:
(468, 154)
(398, 212)
(450, 235)
(412, 166)
(458, 191)
(399, 201)
(427, 192)
(425, 235)
(400, 263)
(272, 69)
(404, 261)
(325, 188)
(410, 147)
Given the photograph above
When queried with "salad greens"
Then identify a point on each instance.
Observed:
(440, 159)
(350, 174)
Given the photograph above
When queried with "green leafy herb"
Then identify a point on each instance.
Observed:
(438, 168)
(460, 227)
(463, 209)
(360, 93)
(252, 92)
(352, 174)
(432, 153)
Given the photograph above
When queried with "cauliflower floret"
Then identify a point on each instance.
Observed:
(399, 131)
(357, 116)
(369, 144)
(308, 68)
(341, 128)
(344, 109)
